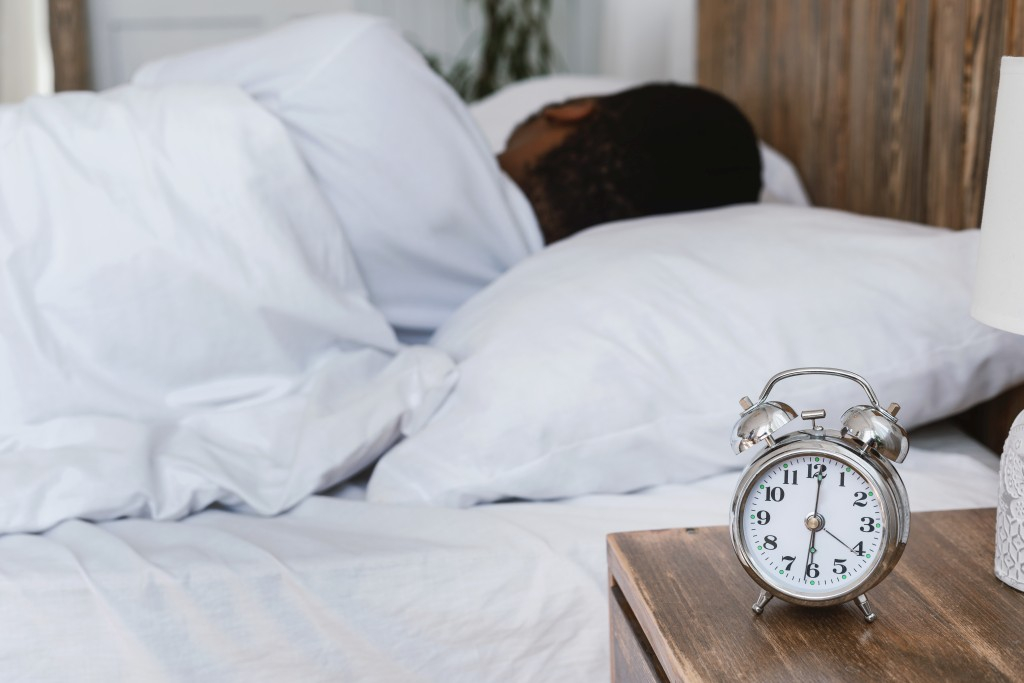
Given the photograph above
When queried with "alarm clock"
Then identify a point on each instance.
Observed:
(819, 516)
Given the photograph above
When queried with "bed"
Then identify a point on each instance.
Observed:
(341, 589)
(399, 574)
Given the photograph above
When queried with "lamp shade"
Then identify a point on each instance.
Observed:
(999, 285)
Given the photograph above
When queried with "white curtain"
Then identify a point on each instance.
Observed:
(26, 65)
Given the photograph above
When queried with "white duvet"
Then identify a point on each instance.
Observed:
(181, 320)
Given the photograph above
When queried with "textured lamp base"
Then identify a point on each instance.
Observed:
(1010, 510)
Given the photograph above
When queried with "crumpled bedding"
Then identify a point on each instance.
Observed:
(181, 319)
(346, 590)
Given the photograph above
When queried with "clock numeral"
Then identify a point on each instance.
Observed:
(861, 499)
(786, 477)
(839, 567)
(867, 524)
(771, 542)
(791, 561)
(858, 549)
(842, 479)
(812, 570)
(774, 493)
(814, 469)
(763, 517)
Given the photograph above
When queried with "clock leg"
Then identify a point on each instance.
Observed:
(762, 600)
(865, 608)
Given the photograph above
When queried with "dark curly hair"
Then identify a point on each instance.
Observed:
(658, 148)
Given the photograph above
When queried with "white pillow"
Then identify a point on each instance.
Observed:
(614, 360)
(430, 216)
(499, 113)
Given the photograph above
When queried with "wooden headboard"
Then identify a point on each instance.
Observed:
(885, 107)
(69, 44)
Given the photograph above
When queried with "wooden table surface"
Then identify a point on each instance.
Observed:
(942, 614)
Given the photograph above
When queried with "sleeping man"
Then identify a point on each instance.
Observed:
(429, 215)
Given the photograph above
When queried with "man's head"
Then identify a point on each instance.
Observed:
(659, 148)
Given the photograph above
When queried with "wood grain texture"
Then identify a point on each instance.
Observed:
(69, 44)
(885, 106)
(942, 614)
(990, 422)
(633, 660)
(1015, 28)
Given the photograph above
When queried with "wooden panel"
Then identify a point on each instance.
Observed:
(633, 660)
(990, 422)
(942, 614)
(945, 179)
(1015, 28)
(885, 106)
(987, 43)
(69, 43)
(832, 84)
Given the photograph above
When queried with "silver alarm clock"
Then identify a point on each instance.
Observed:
(820, 516)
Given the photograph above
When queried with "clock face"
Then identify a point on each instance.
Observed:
(812, 525)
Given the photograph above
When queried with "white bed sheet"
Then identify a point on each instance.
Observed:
(343, 590)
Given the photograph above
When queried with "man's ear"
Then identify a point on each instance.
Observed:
(572, 111)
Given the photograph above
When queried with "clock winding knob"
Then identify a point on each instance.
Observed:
(813, 416)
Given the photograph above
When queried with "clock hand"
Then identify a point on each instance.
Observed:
(810, 546)
(817, 495)
(837, 538)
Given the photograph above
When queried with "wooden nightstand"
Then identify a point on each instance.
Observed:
(680, 610)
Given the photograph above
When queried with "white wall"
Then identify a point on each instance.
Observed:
(127, 33)
(26, 65)
(649, 39)
(638, 39)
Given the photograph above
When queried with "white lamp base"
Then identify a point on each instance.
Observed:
(1010, 509)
